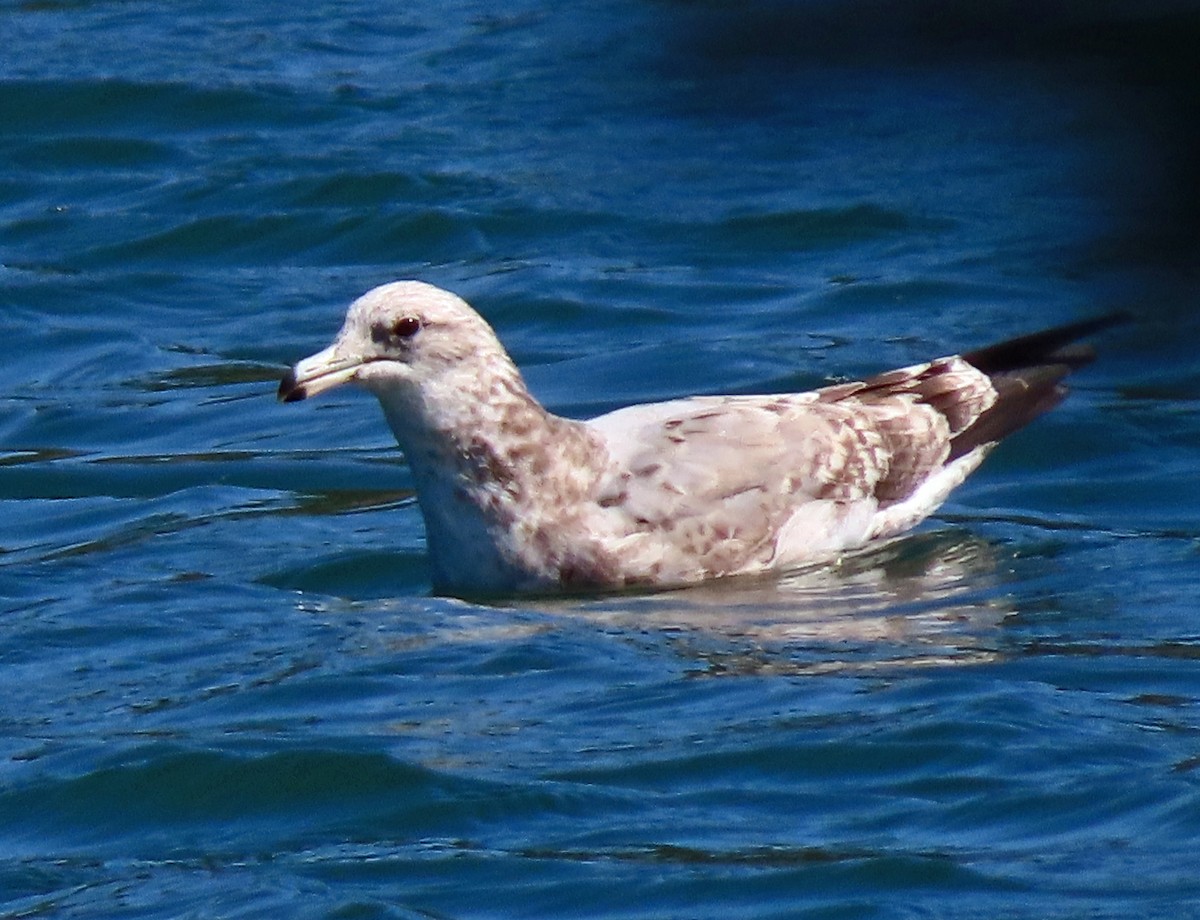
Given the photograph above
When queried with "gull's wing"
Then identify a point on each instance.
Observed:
(737, 481)
(741, 483)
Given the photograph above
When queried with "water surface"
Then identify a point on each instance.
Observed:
(228, 689)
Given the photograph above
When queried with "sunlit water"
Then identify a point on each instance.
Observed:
(228, 691)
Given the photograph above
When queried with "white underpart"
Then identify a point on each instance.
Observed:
(928, 497)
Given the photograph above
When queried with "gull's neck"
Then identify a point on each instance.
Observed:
(489, 460)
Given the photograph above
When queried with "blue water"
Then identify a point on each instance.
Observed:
(227, 688)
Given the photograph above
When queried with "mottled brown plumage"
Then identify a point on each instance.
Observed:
(516, 498)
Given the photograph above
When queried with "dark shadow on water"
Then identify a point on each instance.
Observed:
(1127, 65)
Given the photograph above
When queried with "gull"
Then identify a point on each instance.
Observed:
(518, 499)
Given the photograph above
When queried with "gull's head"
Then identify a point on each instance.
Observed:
(398, 338)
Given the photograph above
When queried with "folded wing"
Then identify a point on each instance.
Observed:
(743, 483)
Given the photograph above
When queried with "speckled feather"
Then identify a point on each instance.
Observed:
(518, 499)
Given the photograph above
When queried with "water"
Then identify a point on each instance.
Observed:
(228, 690)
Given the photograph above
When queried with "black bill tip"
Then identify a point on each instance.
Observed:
(290, 390)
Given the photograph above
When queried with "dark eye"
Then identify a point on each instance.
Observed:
(406, 327)
(403, 328)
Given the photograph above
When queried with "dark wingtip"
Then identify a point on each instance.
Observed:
(1047, 347)
(1027, 374)
(289, 389)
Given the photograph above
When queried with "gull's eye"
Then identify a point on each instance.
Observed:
(403, 328)
(406, 327)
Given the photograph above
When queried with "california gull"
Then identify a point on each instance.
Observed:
(516, 498)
